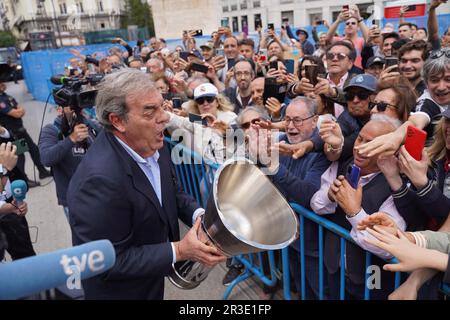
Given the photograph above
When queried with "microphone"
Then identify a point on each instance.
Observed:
(59, 79)
(69, 266)
(19, 190)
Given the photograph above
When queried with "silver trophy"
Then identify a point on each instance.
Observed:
(245, 214)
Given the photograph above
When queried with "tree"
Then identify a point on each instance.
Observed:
(7, 39)
(139, 14)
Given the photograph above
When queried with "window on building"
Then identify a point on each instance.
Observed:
(63, 8)
(225, 8)
(234, 5)
(225, 22)
(258, 21)
(256, 4)
(286, 1)
(80, 8)
(287, 15)
(315, 17)
(243, 4)
(235, 24)
(100, 6)
(244, 24)
(102, 25)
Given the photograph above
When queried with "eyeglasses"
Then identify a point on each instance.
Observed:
(350, 23)
(340, 56)
(381, 106)
(439, 53)
(242, 73)
(297, 121)
(350, 96)
(247, 125)
(202, 100)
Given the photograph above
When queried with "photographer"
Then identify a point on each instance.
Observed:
(11, 118)
(63, 145)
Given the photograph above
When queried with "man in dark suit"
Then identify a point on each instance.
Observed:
(125, 190)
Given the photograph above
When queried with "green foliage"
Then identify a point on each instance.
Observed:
(7, 39)
(139, 14)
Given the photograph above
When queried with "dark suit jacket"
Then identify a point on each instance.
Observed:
(109, 197)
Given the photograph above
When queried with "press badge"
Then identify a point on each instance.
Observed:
(78, 151)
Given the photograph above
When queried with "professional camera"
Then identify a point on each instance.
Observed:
(71, 94)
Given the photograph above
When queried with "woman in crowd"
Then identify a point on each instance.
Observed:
(395, 99)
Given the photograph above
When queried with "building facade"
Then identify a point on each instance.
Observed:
(68, 18)
(242, 15)
(172, 17)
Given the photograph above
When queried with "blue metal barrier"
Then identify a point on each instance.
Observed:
(196, 179)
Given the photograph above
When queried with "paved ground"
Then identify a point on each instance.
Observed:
(49, 228)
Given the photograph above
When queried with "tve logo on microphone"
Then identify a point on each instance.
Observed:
(73, 266)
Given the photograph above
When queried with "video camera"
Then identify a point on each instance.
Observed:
(71, 94)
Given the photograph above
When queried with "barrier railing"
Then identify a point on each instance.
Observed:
(196, 176)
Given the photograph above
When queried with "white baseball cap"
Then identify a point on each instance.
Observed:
(205, 90)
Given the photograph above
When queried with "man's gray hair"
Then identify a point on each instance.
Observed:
(259, 110)
(161, 64)
(437, 66)
(311, 104)
(385, 119)
(114, 90)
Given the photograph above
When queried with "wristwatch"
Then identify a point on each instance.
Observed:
(360, 20)
(352, 215)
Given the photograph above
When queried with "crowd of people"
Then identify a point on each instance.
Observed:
(346, 103)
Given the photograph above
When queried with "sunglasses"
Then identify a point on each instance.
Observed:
(381, 106)
(350, 23)
(340, 56)
(349, 96)
(439, 53)
(202, 100)
(247, 125)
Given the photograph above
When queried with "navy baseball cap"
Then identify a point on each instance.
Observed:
(374, 60)
(365, 81)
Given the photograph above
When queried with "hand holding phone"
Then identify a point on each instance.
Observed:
(199, 67)
(311, 72)
(391, 61)
(176, 102)
(353, 175)
(415, 142)
(197, 118)
(273, 65)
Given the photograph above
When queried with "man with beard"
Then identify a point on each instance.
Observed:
(241, 96)
(302, 176)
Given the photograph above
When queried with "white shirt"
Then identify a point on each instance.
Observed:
(322, 205)
(150, 167)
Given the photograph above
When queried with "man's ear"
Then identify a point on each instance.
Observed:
(117, 122)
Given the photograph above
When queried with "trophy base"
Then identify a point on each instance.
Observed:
(187, 274)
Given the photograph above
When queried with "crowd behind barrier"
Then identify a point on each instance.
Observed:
(194, 179)
(39, 66)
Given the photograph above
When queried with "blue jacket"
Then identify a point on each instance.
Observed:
(110, 197)
(57, 152)
(299, 180)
